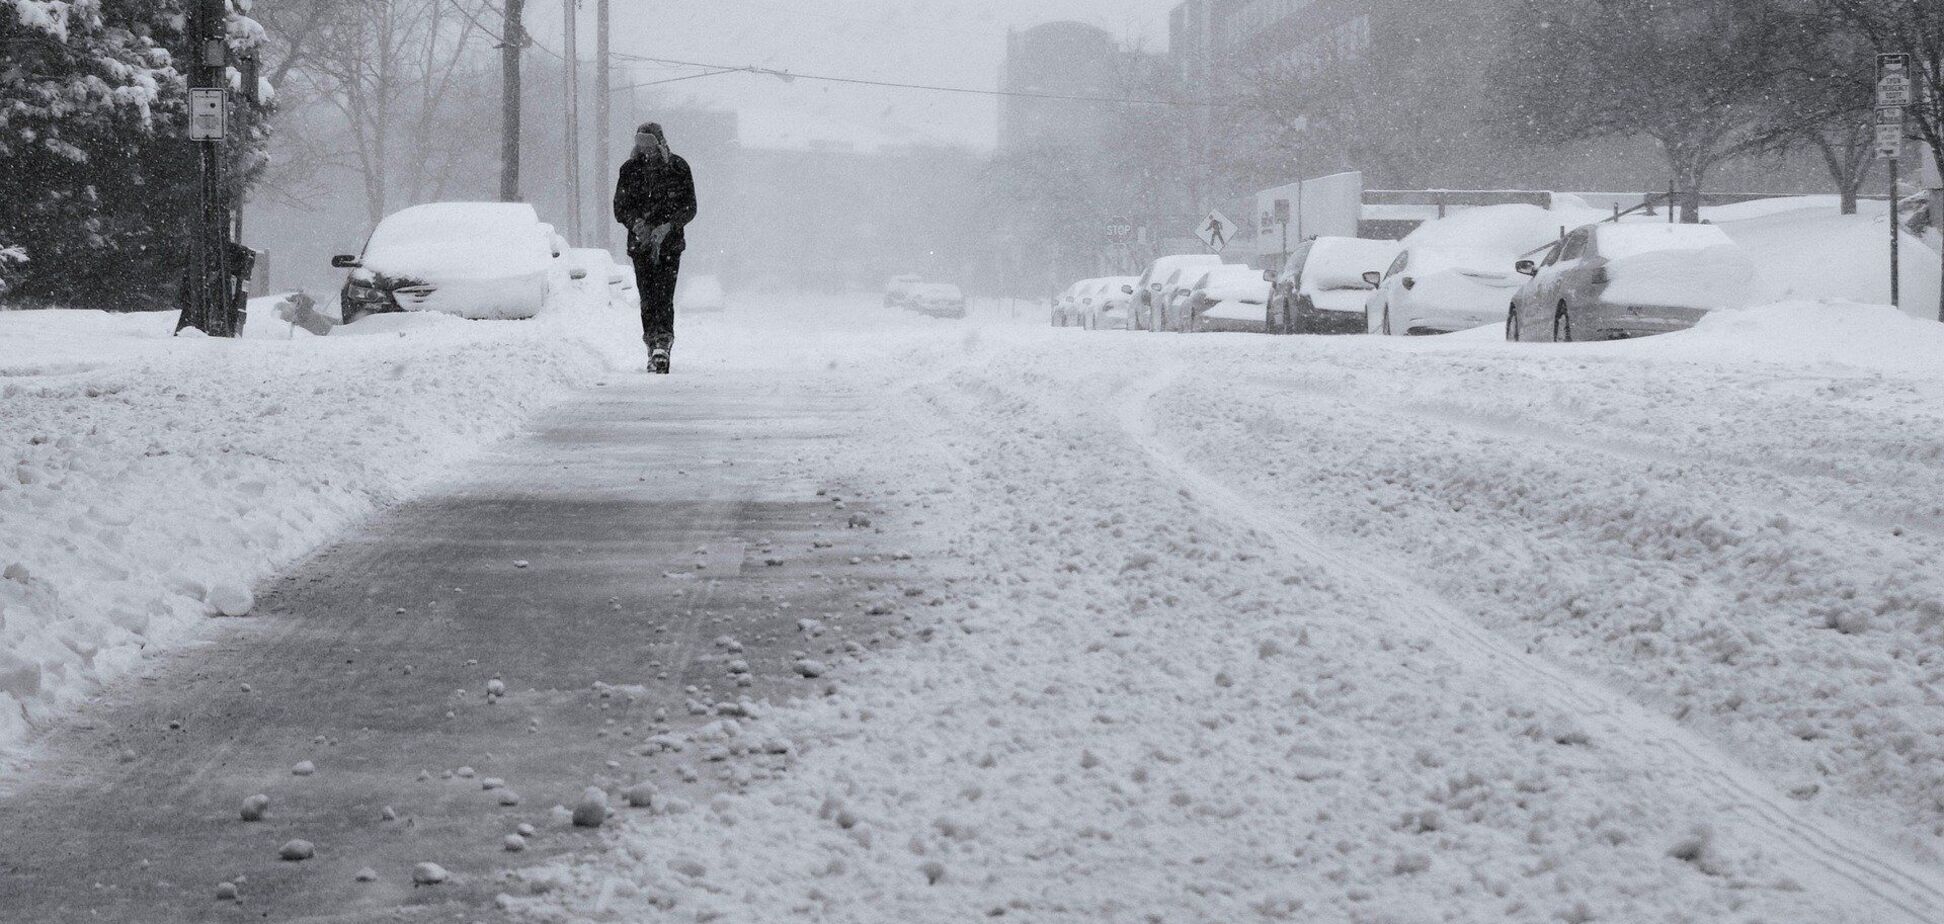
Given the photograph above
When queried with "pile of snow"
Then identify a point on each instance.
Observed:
(1675, 266)
(1810, 335)
(147, 482)
(1815, 252)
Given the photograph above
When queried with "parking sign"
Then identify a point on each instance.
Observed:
(208, 115)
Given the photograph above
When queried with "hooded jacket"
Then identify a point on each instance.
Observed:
(660, 192)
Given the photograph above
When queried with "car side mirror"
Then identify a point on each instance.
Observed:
(1527, 268)
(345, 261)
(1373, 279)
(1127, 290)
(1156, 287)
(1268, 275)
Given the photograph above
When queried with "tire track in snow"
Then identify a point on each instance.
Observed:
(1819, 853)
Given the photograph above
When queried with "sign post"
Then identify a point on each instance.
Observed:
(1895, 90)
(1282, 218)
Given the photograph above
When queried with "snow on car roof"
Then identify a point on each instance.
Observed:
(460, 240)
(1617, 241)
(1340, 262)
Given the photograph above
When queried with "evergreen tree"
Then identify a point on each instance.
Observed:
(95, 167)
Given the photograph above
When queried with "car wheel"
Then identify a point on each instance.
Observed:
(1512, 324)
(1562, 325)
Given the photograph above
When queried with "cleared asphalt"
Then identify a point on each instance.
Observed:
(652, 520)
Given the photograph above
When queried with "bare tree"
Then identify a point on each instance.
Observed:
(1697, 76)
(403, 77)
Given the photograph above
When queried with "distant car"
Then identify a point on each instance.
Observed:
(598, 265)
(701, 294)
(1066, 311)
(1109, 311)
(938, 300)
(1142, 306)
(1321, 288)
(1229, 298)
(481, 260)
(897, 292)
(1432, 291)
(1619, 281)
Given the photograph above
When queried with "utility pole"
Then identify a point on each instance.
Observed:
(603, 114)
(512, 41)
(572, 65)
(207, 304)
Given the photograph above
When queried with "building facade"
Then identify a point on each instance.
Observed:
(1057, 59)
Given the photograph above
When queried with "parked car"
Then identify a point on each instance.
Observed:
(940, 300)
(897, 292)
(701, 294)
(1619, 281)
(1066, 306)
(482, 260)
(600, 266)
(1432, 291)
(1321, 288)
(1142, 307)
(1229, 298)
(1110, 307)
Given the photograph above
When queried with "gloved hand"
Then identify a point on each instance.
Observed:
(640, 228)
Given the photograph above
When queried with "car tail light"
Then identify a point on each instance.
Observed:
(1600, 277)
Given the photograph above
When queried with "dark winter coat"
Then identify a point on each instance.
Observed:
(660, 192)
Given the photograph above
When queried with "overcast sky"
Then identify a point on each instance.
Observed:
(948, 42)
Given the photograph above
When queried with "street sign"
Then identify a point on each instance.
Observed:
(1894, 86)
(208, 115)
(1119, 230)
(1216, 230)
(1890, 141)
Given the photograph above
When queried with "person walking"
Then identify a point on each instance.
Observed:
(655, 200)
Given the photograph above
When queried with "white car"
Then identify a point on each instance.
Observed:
(598, 265)
(940, 300)
(1066, 305)
(701, 294)
(897, 291)
(1229, 298)
(481, 260)
(1431, 291)
(1322, 290)
(1109, 310)
(1147, 290)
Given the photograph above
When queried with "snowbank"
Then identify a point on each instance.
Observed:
(148, 482)
(1815, 252)
(1809, 335)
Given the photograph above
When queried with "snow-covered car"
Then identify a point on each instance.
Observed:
(1229, 298)
(1619, 281)
(1433, 291)
(480, 260)
(1110, 308)
(939, 300)
(701, 294)
(1066, 304)
(1321, 288)
(1147, 290)
(897, 291)
(599, 266)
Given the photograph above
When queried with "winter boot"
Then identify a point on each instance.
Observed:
(658, 362)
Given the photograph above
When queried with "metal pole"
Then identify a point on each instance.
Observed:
(603, 113)
(572, 69)
(1896, 240)
(513, 38)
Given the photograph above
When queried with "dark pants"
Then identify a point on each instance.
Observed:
(657, 284)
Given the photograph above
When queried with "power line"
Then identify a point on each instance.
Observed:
(931, 88)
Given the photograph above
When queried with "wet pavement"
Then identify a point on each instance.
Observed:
(593, 567)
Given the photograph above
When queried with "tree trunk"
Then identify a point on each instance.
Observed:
(513, 37)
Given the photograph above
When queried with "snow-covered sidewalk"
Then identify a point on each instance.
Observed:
(147, 482)
(1368, 630)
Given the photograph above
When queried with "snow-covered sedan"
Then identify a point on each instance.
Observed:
(1322, 290)
(1066, 306)
(939, 300)
(1433, 291)
(1229, 298)
(1110, 306)
(1146, 292)
(481, 260)
(1619, 281)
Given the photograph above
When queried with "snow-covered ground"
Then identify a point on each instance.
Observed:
(147, 482)
(1211, 628)
(1366, 630)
